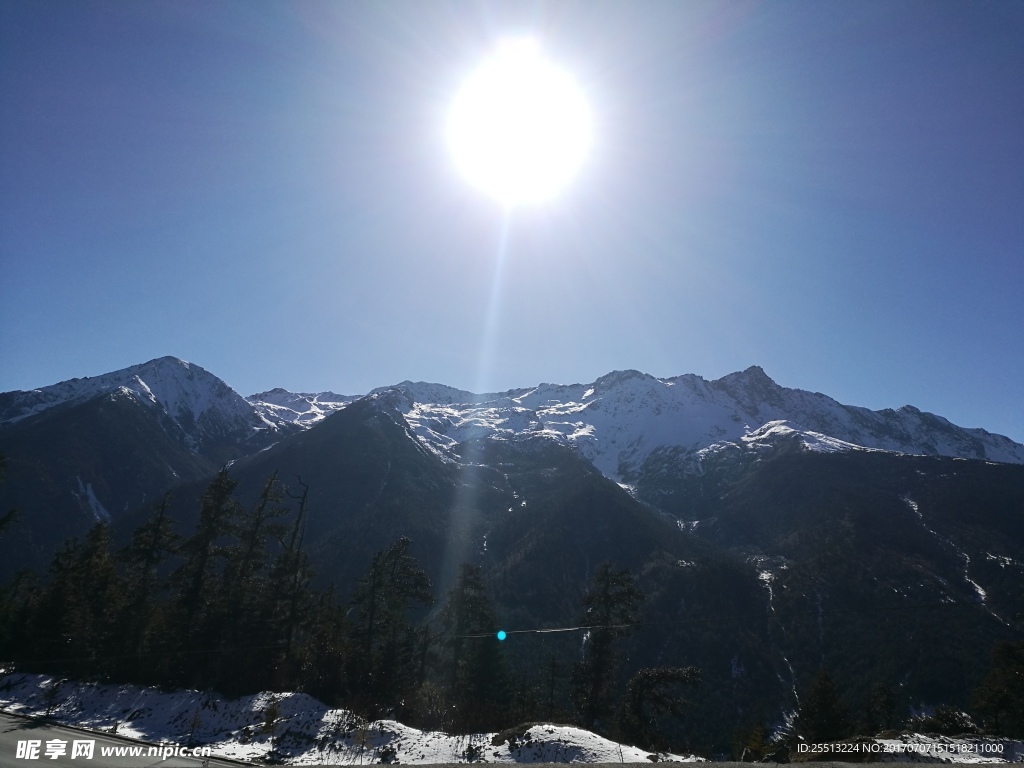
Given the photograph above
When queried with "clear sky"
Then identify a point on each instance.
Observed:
(831, 190)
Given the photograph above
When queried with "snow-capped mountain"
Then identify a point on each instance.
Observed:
(200, 404)
(304, 409)
(618, 421)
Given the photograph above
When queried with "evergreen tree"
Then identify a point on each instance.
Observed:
(7, 519)
(999, 700)
(10, 515)
(880, 712)
(78, 620)
(217, 518)
(197, 621)
(151, 544)
(754, 746)
(382, 666)
(321, 658)
(8, 626)
(477, 674)
(292, 602)
(822, 716)
(252, 529)
(650, 694)
(249, 636)
(609, 610)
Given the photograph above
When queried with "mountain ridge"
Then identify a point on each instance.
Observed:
(617, 422)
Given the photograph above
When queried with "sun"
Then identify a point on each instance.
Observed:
(519, 127)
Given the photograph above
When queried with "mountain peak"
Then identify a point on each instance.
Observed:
(168, 360)
(201, 404)
(618, 377)
(752, 376)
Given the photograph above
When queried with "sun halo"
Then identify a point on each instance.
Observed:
(520, 127)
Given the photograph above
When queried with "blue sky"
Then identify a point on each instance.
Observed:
(831, 190)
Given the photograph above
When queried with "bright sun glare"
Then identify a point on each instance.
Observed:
(519, 127)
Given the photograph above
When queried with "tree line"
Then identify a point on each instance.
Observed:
(232, 607)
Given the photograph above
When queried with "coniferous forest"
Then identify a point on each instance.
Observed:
(233, 606)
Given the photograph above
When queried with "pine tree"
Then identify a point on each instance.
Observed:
(151, 544)
(197, 621)
(754, 745)
(291, 601)
(10, 515)
(217, 517)
(323, 656)
(477, 673)
(999, 700)
(652, 693)
(8, 603)
(822, 716)
(253, 528)
(880, 712)
(248, 637)
(382, 664)
(78, 619)
(99, 614)
(609, 610)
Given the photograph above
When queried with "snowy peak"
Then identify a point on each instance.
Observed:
(752, 387)
(422, 391)
(614, 378)
(302, 409)
(203, 406)
(620, 419)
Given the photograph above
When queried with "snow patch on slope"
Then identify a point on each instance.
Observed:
(87, 497)
(979, 592)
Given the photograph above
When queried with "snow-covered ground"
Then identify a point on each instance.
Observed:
(305, 731)
(922, 748)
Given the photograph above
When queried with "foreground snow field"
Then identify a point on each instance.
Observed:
(305, 731)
